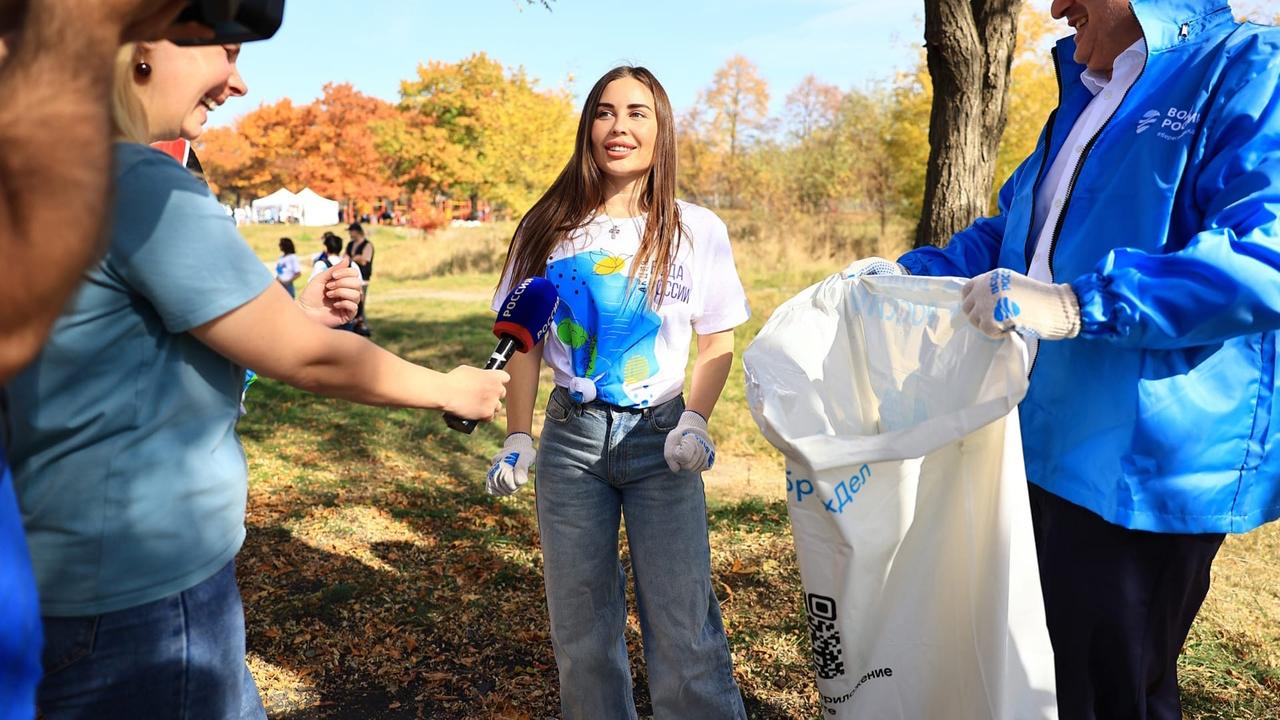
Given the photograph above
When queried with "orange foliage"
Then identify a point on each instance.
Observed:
(423, 213)
(339, 157)
(259, 155)
(327, 145)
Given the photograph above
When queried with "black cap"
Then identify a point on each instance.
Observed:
(233, 21)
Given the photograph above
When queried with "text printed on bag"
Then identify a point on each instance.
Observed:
(902, 312)
(842, 494)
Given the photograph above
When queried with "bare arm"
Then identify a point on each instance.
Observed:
(272, 335)
(55, 153)
(331, 296)
(710, 371)
(522, 391)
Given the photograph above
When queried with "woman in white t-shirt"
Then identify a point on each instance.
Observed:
(287, 266)
(329, 255)
(639, 273)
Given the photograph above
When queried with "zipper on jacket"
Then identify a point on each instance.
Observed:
(1027, 250)
(1075, 175)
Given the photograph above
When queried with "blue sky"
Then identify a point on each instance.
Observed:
(376, 43)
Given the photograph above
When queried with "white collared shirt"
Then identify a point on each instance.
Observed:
(1052, 195)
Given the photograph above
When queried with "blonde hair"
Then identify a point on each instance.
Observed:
(128, 116)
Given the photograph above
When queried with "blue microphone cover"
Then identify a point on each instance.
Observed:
(527, 312)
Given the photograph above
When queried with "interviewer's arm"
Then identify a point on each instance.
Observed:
(271, 335)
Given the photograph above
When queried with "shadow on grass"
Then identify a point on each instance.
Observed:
(380, 581)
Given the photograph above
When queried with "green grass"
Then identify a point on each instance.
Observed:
(381, 582)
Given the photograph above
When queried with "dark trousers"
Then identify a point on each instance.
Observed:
(1119, 605)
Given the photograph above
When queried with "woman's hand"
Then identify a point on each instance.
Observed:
(688, 446)
(475, 394)
(332, 297)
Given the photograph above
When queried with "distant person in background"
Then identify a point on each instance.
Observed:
(287, 266)
(360, 250)
(130, 477)
(330, 254)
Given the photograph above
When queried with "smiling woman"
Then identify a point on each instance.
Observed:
(639, 273)
(130, 476)
(171, 90)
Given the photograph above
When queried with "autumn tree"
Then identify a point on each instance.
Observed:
(738, 103)
(866, 124)
(699, 164)
(818, 168)
(259, 155)
(811, 107)
(969, 49)
(1033, 92)
(337, 153)
(226, 157)
(474, 129)
(907, 140)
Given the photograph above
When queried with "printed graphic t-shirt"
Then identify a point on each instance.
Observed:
(288, 268)
(607, 329)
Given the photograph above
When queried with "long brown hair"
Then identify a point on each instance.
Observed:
(572, 200)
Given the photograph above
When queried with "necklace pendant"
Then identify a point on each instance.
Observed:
(613, 232)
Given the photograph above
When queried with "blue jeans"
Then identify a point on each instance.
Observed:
(178, 658)
(597, 464)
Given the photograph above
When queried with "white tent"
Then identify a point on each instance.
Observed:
(279, 206)
(317, 210)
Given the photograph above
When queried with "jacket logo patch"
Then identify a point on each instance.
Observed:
(1172, 124)
(1148, 119)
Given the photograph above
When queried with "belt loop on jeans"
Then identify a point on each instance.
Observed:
(575, 407)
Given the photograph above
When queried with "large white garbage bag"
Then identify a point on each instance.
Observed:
(908, 500)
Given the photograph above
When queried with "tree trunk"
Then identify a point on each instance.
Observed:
(969, 49)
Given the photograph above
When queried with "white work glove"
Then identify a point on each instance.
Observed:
(873, 266)
(688, 446)
(511, 466)
(1003, 300)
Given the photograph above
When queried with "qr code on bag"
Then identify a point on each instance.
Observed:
(827, 656)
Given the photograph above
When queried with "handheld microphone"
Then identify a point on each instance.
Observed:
(522, 322)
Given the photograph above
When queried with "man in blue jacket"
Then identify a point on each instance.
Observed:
(1138, 250)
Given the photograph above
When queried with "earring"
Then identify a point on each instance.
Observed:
(142, 69)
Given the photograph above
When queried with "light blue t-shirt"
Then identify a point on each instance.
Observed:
(130, 477)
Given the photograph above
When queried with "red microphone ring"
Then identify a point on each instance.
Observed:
(516, 331)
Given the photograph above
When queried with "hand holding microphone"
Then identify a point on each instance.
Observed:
(522, 322)
(475, 394)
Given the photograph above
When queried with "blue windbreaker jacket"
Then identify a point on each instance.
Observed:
(1161, 415)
